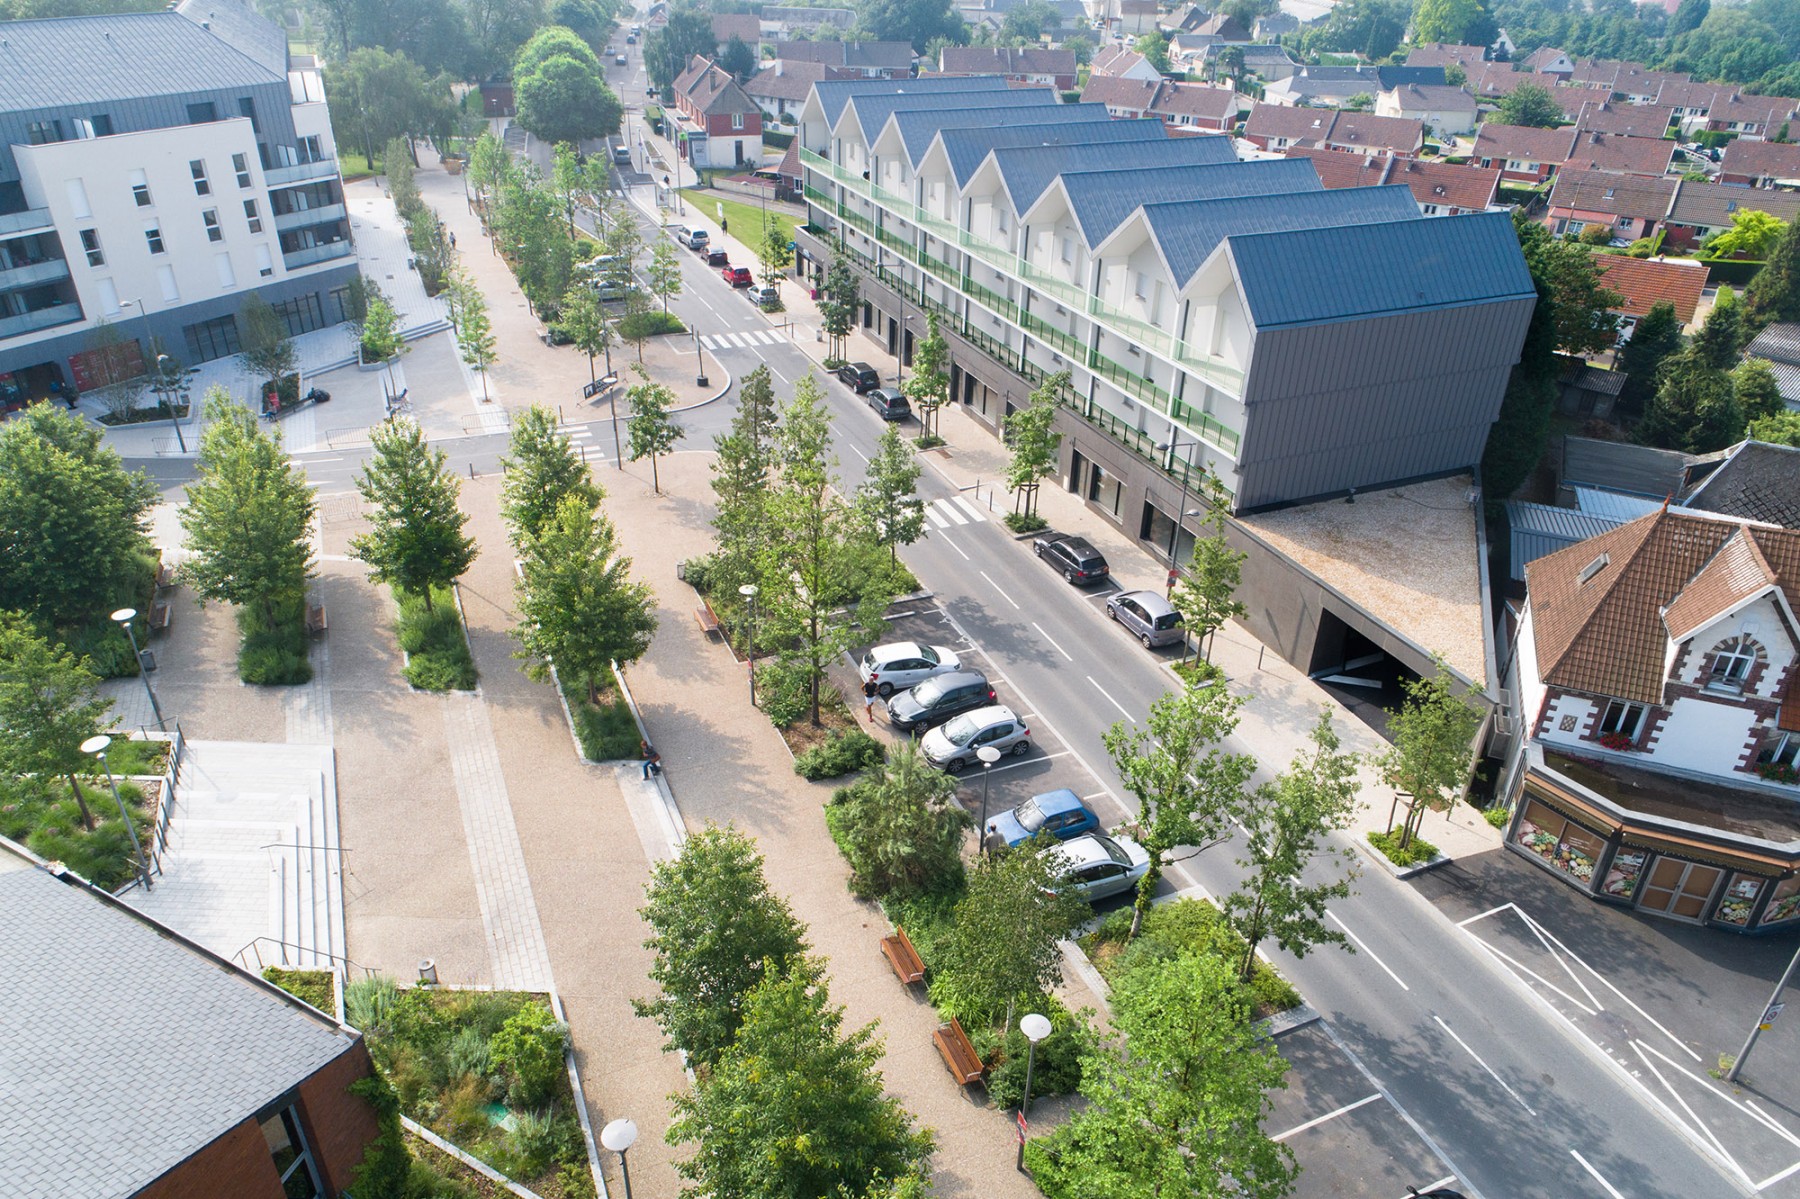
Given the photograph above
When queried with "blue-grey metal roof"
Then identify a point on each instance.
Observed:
(1310, 275)
(1620, 466)
(1539, 529)
(872, 112)
(833, 94)
(1103, 198)
(1189, 231)
(919, 97)
(1611, 505)
(1025, 171)
(126, 1049)
(919, 129)
(249, 33)
(968, 148)
(66, 61)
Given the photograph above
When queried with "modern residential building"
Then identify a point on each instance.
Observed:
(139, 1064)
(717, 124)
(155, 169)
(1631, 207)
(1547, 60)
(1760, 164)
(1700, 210)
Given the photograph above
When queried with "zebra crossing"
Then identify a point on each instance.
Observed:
(747, 340)
(955, 510)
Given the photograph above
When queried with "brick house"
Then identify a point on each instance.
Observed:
(1631, 207)
(1625, 120)
(1027, 64)
(1195, 108)
(1122, 62)
(1760, 164)
(1595, 151)
(1278, 126)
(1754, 117)
(1439, 188)
(718, 124)
(1703, 209)
(1642, 282)
(1523, 154)
(781, 88)
(1125, 97)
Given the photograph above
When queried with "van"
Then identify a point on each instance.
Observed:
(693, 239)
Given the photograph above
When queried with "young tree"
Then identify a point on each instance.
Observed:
(901, 828)
(1032, 437)
(837, 311)
(1655, 338)
(397, 165)
(1530, 105)
(1433, 747)
(1284, 824)
(542, 469)
(929, 387)
(568, 181)
(1754, 387)
(888, 501)
(415, 541)
(584, 320)
(50, 703)
(248, 516)
(1717, 343)
(774, 252)
(652, 430)
(474, 331)
(1185, 783)
(578, 607)
(1155, 48)
(738, 58)
(380, 338)
(664, 275)
(717, 931)
(1783, 428)
(1753, 234)
(796, 1107)
(268, 352)
(742, 468)
(634, 326)
(1206, 594)
(1774, 295)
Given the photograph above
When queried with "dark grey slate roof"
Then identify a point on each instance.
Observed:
(125, 1049)
(872, 112)
(1026, 171)
(1757, 481)
(88, 60)
(1103, 198)
(1189, 231)
(918, 129)
(1619, 466)
(1311, 275)
(834, 94)
(249, 33)
(968, 148)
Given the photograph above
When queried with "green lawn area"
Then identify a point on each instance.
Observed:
(746, 218)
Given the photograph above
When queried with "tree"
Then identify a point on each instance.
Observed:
(1753, 234)
(1457, 22)
(1185, 783)
(1719, 338)
(717, 931)
(415, 542)
(554, 41)
(1081, 46)
(566, 101)
(1694, 410)
(1027, 23)
(1781, 428)
(1206, 593)
(542, 469)
(1532, 105)
(1754, 387)
(915, 21)
(116, 368)
(474, 332)
(837, 311)
(773, 253)
(1688, 16)
(887, 500)
(248, 516)
(1656, 337)
(73, 520)
(402, 185)
(50, 703)
(1179, 1114)
(668, 50)
(738, 58)
(665, 272)
(1033, 441)
(929, 387)
(796, 1108)
(1155, 48)
(652, 430)
(380, 338)
(742, 468)
(379, 95)
(268, 352)
(901, 828)
(1433, 737)
(583, 318)
(1283, 824)
(568, 181)
(578, 607)
(1774, 295)
(1583, 305)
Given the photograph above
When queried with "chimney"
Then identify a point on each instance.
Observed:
(1595, 138)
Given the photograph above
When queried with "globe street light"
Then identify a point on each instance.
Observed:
(748, 591)
(96, 745)
(125, 616)
(988, 755)
(1170, 447)
(619, 1136)
(1036, 1028)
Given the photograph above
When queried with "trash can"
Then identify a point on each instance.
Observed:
(681, 570)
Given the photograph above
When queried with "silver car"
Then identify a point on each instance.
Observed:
(903, 664)
(954, 745)
(1147, 616)
(1098, 865)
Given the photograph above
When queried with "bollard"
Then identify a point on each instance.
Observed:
(471, 469)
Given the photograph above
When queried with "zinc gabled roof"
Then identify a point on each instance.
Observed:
(250, 33)
(1312, 275)
(919, 129)
(1189, 231)
(872, 112)
(1757, 481)
(834, 94)
(1027, 170)
(966, 147)
(1101, 199)
(98, 60)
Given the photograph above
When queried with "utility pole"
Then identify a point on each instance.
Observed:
(1765, 1021)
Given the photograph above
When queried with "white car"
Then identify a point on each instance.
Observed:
(958, 742)
(1098, 865)
(905, 664)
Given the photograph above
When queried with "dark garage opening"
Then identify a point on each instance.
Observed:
(1358, 673)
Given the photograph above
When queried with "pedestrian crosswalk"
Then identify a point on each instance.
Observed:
(743, 341)
(953, 511)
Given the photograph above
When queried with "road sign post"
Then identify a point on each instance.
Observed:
(1771, 1010)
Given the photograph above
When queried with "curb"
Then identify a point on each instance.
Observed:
(1401, 872)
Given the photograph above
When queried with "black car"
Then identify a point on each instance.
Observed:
(939, 698)
(717, 258)
(1079, 562)
(859, 377)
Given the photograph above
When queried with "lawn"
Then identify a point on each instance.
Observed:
(137, 757)
(47, 820)
(747, 217)
(309, 986)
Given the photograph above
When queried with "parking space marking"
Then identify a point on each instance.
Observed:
(1769, 1120)
(1607, 1186)
(1479, 1062)
(996, 587)
(1059, 649)
(1333, 916)
(1109, 699)
(1524, 969)
(1697, 1124)
(859, 454)
(1772, 1179)
(1747, 1106)
(1316, 1121)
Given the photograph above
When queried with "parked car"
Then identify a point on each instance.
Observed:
(902, 664)
(954, 745)
(1059, 813)
(939, 698)
(737, 276)
(1147, 616)
(1097, 865)
(693, 239)
(1079, 562)
(859, 377)
(889, 404)
(765, 298)
(717, 258)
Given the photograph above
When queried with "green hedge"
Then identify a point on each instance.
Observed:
(606, 730)
(776, 139)
(1735, 272)
(438, 652)
(650, 324)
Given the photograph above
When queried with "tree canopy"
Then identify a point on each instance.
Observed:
(565, 100)
(415, 540)
(1530, 105)
(915, 21)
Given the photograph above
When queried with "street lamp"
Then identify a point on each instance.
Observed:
(699, 362)
(748, 591)
(1036, 1028)
(1170, 447)
(125, 616)
(619, 1136)
(149, 346)
(610, 381)
(988, 755)
(96, 745)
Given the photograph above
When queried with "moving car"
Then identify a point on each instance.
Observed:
(621, 60)
(1147, 616)
(1059, 813)
(859, 377)
(902, 664)
(1097, 865)
(631, 39)
(955, 745)
(939, 698)
(737, 276)
(1079, 562)
(889, 404)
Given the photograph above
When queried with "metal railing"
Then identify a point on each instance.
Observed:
(307, 255)
(278, 956)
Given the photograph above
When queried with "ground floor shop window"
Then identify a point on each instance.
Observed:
(1784, 904)
(1740, 900)
(1567, 846)
(1622, 876)
(1104, 490)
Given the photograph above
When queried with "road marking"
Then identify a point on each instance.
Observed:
(1770, 1121)
(707, 340)
(1772, 1179)
(1109, 699)
(991, 583)
(298, 461)
(767, 338)
(1483, 916)
(1544, 939)
(1699, 1125)
(966, 506)
(1331, 915)
(578, 434)
(859, 454)
(784, 379)
(1316, 1121)
(1059, 649)
(1496, 1077)
(709, 307)
(956, 547)
(1607, 1186)
(1439, 1185)
(943, 514)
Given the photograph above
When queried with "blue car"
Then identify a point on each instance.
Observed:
(1061, 813)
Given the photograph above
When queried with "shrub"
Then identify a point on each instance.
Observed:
(1778, 772)
(528, 1050)
(274, 656)
(900, 829)
(535, 1133)
(1019, 522)
(1187, 926)
(464, 1107)
(273, 665)
(369, 1001)
(1056, 1067)
(434, 639)
(308, 986)
(469, 1053)
(840, 754)
(1420, 850)
(698, 573)
(606, 730)
(649, 324)
(1496, 816)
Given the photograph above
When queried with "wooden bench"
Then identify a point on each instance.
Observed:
(160, 612)
(709, 623)
(899, 951)
(165, 574)
(958, 1052)
(315, 618)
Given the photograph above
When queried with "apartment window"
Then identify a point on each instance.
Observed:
(247, 108)
(293, 1159)
(165, 278)
(1067, 255)
(153, 235)
(302, 314)
(310, 149)
(202, 185)
(265, 263)
(1139, 285)
(140, 189)
(101, 123)
(1430, 210)
(1731, 664)
(227, 276)
(212, 339)
(252, 216)
(1622, 718)
(737, 120)
(202, 113)
(241, 165)
(90, 245)
(41, 133)
(78, 199)
(210, 218)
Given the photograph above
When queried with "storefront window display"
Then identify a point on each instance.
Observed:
(1740, 900)
(1622, 876)
(1567, 846)
(1784, 904)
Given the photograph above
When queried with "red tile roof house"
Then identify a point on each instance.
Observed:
(1492, 82)
(1750, 116)
(1123, 97)
(1644, 281)
(1760, 164)
(1117, 60)
(1703, 209)
(1442, 54)
(1640, 85)
(719, 125)
(1645, 156)
(1546, 60)
(1691, 101)
(1631, 207)
(1446, 109)
(1439, 188)
(1625, 120)
(1196, 108)
(746, 27)
(1277, 126)
(782, 86)
(1027, 64)
(1523, 154)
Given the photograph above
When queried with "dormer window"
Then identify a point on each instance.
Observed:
(1731, 664)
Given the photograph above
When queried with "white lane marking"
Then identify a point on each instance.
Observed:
(1544, 939)
(1607, 1186)
(1524, 969)
(859, 454)
(1059, 649)
(1699, 1125)
(298, 461)
(1109, 699)
(784, 379)
(1772, 1179)
(707, 341)
(579, 434)
(1331, 915)
(1770, 1121)
(709, 307)
(1496, 1077)
(966, 506)
(738, 340)
(932, 515)
(1318, 1120)
(996, 587)
(944, 514)
(956, 547)
(1675, 1040)
(1484, 915)
(768, 338)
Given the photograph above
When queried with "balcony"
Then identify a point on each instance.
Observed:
(301, 172)
(295, 259)
(299, 218)
(42, 318)
(32, 220)
(32, 274)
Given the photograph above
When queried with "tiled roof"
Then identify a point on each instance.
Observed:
(1523, 143)
(128, 1049)
(1298, 124)
(1597, 74)
(1224, 27)
(1620, 195)
(789, 166)
(1625, 155)
(1134, 95)
(1711, 204)
(1742, 107)
(966, 148)
(887, 56)
(1645, 281)
(1633, 120)
(1542, 57)
(1361, 130)
(789, 81)
(1415, 97)
(712, 89)
(1337, 169)
(1026, 171)
(1756, 481)
(1470, 188)
(1441, 54)
(1113, 60)
(1779, 342)
(1772, 160)
(1495, 80)
(743, 26)
(1735, 574)
(1101, 198)
(1677, 93)
(1188, 231)
(1195, 100)
(1004, 60)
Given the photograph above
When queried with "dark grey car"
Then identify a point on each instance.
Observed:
(1076, 559)
(859, 377)
(889, 404)
(937, 699)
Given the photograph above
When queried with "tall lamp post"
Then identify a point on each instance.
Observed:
(988, 755)
(748, 591)
(1170, 447)
(148, 350)
(699, 362)
(125, 616)
(619, 1136)
(1035, 1027)
(97, 746)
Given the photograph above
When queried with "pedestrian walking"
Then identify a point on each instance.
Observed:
(453, 239)
(652, 759)
(869, 701)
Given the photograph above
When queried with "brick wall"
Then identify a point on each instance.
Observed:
(236, 1166)
(339, 1125)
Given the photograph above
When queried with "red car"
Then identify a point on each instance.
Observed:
(737, 276)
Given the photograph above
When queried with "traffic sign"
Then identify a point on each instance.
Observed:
(1023, 1128)
(1768, 1019)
